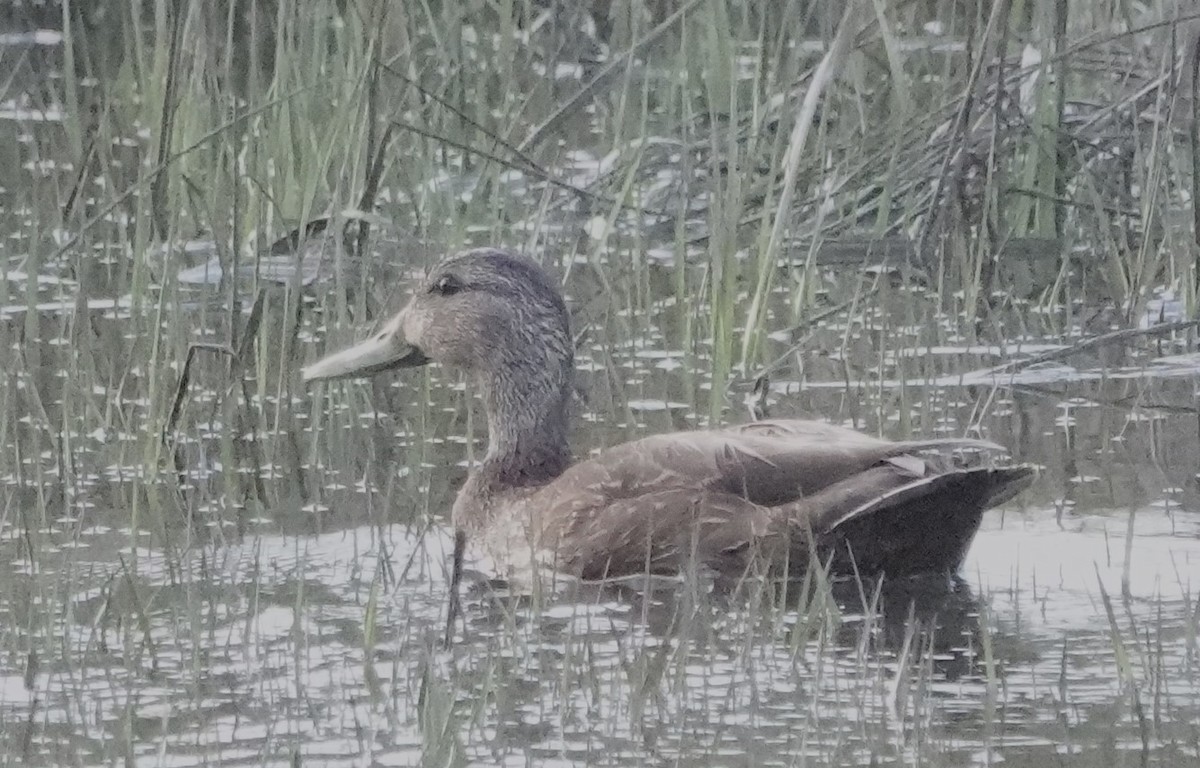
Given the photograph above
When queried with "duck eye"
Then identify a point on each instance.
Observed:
(446, 285)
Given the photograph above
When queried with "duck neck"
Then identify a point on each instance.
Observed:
(527, 427)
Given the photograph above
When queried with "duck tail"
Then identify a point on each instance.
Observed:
(887, 520)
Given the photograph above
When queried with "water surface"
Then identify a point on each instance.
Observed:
(266, 586)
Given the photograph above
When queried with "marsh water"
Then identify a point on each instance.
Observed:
(260, 579)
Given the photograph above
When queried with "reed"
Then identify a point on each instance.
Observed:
(200, 558)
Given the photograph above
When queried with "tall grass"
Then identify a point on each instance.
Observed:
(689, 169)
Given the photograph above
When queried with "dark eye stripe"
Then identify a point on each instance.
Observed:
(446, 285)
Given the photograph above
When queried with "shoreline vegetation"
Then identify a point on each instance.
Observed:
(916, 219)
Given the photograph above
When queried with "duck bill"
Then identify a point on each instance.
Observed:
(385, 351)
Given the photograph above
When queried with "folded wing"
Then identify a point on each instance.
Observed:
(718, 496)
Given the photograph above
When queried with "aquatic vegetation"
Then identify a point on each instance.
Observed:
(978, 223)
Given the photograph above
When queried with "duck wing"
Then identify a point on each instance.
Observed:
(765, 462)
(719, 496)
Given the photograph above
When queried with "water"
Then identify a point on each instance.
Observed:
(252, 653)
(268, 586)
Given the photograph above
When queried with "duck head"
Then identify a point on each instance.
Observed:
(486, 311)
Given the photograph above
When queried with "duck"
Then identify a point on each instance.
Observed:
(776, 495)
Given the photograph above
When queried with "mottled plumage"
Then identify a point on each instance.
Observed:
(771, 492)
